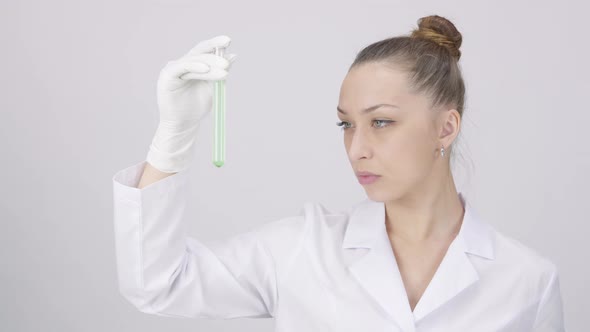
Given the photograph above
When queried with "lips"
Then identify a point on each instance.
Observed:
(364, 173)
(367, 179)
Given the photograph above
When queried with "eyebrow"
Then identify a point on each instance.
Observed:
(369, 109)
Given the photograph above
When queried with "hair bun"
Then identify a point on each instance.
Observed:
(441, 31)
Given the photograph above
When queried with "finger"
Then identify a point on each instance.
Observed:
(209, 45)
(177, 69)
(231, 57)
(213, 75)
(208, 58)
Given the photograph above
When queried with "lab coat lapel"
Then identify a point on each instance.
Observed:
(378, 273)
(456, 272)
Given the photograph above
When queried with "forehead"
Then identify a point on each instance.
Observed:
(373, 83)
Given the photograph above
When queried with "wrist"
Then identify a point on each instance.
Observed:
(171, 151)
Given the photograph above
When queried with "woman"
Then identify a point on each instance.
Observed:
(413, 256)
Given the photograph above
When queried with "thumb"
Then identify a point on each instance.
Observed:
(231, 57)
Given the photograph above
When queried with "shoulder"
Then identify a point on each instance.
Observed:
(297, 225)
(285, 238)
(512, 250)
(522, 266)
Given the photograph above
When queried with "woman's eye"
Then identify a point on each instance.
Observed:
(342, 123)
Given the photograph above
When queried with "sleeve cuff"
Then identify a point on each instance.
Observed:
(125, 183)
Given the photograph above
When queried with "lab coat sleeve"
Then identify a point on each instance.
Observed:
(162, 271)
(550, 310)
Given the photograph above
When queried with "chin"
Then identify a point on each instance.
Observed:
(379, 194)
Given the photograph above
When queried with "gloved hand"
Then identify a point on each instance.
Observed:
(185, 96)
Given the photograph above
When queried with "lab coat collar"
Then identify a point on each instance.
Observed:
(377, 271)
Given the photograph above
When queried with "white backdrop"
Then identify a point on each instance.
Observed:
(78, 88)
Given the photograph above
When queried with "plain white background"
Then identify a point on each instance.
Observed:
(78, 103)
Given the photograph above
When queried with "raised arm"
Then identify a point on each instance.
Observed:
(163, 271)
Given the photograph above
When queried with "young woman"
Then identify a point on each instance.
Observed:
(413, 256)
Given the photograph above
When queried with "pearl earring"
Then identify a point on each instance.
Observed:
(442, 151)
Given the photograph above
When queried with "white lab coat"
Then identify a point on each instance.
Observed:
(322, 271)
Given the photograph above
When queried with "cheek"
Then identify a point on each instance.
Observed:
(407, 155)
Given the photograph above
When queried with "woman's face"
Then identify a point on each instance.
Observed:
(398, 143)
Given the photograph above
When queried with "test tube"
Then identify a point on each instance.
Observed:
(219, 115)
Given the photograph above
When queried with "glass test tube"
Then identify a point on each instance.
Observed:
(219, 115)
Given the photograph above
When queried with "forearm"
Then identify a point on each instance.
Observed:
(151, 175)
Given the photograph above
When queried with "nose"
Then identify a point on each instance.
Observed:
(359, 145)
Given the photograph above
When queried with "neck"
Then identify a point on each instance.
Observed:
(433, 212)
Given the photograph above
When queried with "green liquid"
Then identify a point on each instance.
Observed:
(219, 114)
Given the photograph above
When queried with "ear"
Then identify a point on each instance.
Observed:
(449, 122)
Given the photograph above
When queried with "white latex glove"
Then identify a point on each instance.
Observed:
(185, 96)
